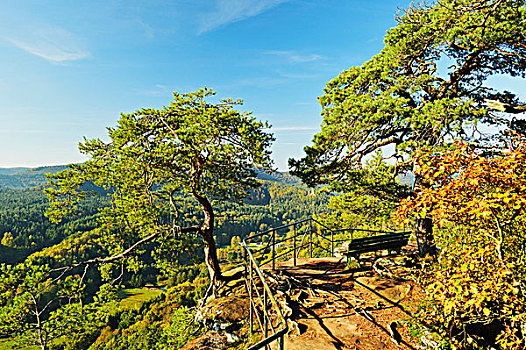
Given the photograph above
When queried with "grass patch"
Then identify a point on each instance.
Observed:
(133, 298)
(9, 344)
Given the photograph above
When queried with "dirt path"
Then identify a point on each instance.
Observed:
(347, 309)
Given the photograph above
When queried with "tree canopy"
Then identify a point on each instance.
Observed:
(157, 157)
(428, 85)
(476, 289)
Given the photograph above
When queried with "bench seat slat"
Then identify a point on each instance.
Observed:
(379, 238)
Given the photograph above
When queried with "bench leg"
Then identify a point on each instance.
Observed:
(357, 257)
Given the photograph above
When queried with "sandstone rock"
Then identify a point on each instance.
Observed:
(394, 291)
(225, 313)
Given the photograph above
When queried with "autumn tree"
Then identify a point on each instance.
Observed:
(157, 157)
(476, 290)
(429, 84)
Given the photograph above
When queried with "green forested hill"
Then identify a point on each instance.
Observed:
(24, 229)
(26, 177)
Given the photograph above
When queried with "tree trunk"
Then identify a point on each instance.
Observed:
(424, 226)
(211, 260)
(424, 236)
(207, 234)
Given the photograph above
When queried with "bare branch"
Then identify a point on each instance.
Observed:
(504, 107)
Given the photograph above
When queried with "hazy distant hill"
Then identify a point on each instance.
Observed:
(19, 178)
(26, 177)
(9, 171)
(281, 177)
(33, 177)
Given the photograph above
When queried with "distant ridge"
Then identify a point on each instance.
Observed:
(19, 178)
(9, 171)
(281, 177)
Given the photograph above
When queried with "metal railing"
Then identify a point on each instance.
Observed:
(269, 314)
(280, 244)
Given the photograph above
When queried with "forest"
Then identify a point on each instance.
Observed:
(25, 228)
(28, 235)
(416, 136)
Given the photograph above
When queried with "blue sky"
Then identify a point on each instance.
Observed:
(69, 68)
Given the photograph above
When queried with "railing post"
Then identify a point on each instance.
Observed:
(274, 250)
(332, 243)
(251, 312)
(246, 262)
(310, 237)
(265, 318)
(294, 242)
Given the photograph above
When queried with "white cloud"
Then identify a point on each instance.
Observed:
(258, 82)
(297, 76)
(48, 42)
(158, 90)
(147, 29)
(293, 57)
(229, 11)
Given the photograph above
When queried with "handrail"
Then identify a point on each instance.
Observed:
(259, 292)
(267, 293)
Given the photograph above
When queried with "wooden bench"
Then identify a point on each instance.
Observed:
(393, 242)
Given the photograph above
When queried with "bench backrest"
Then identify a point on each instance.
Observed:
(387, 240)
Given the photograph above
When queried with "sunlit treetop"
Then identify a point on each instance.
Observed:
(205, 150)
(427, 85)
